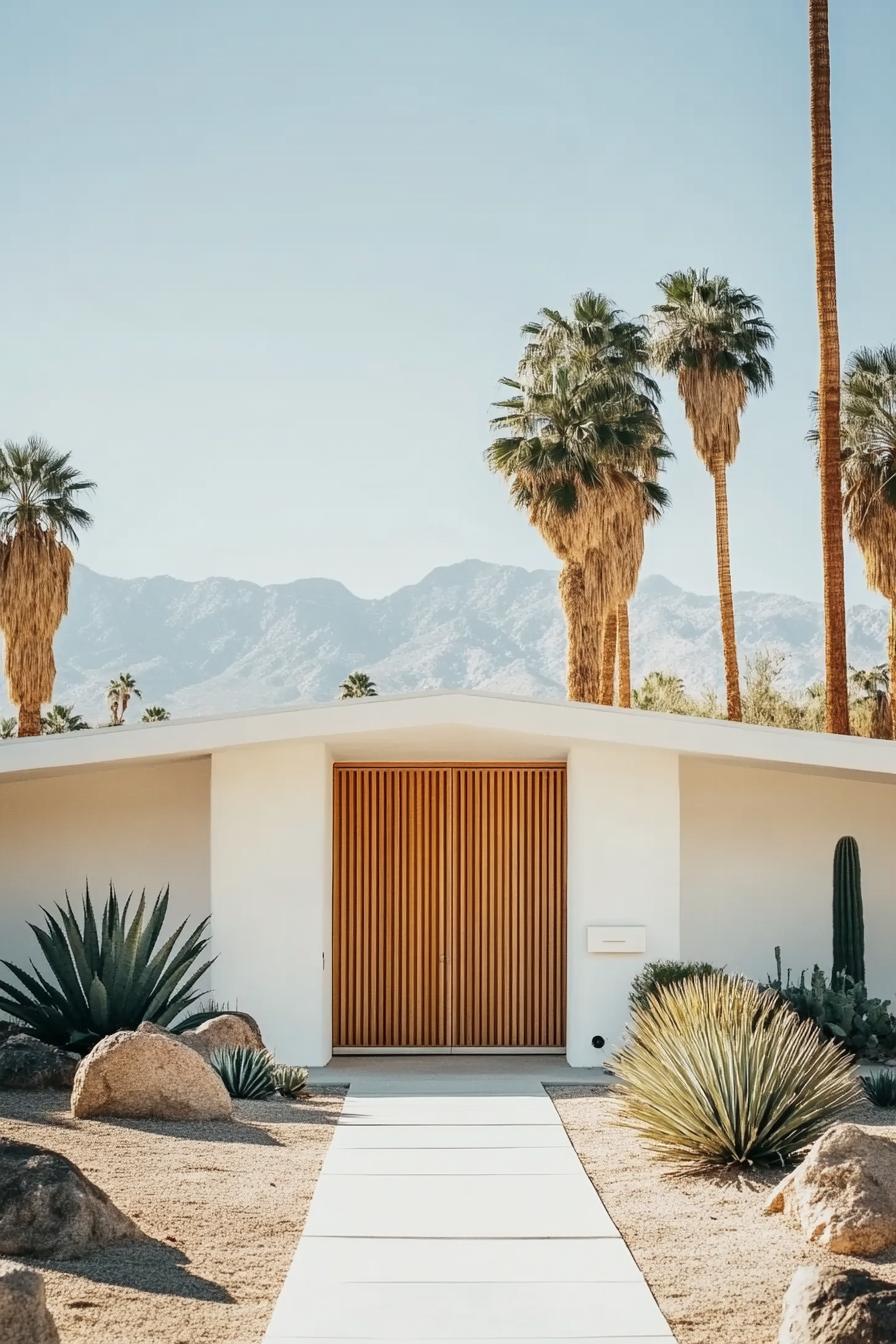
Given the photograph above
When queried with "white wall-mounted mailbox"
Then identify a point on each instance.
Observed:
(617, 938)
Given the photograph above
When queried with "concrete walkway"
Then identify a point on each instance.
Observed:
(451, 1206)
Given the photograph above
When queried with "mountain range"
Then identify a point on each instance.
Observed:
(225, 644)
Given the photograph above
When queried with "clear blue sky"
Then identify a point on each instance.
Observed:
(263, 263)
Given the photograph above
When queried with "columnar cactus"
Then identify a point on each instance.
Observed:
(849, 923)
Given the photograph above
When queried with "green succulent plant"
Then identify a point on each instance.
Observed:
(246, 1071)
(843, 1011)
(289, 1079)
(717, 1070)
(881, 1088)
(107, 975)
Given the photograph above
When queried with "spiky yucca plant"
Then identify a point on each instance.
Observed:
(290, 1080)
(246, 1071)
(717, 1071)
(880, 1088)
(109, 975)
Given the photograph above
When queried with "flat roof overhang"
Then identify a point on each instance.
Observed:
(454, 724)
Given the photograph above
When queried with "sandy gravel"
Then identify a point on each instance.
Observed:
(717, 1266)
(224, 1203)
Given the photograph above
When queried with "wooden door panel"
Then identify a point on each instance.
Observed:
(449, 906)
(508, 969)
(390, 873)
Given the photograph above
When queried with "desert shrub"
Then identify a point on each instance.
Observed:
(716, 1070)
(844, 1012)
(881, 1088)
(105, 976)
(289, 1079)
(656, 974)
(247, 1072)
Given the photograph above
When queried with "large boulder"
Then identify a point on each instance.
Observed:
(148, 1074)
(843, 1193)
(27, 1062)
(228, 1029)
(833, 1306)
(8, 1029)
(24, 1318)
(48, 1207)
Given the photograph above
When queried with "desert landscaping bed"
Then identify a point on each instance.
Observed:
(222, 1204)
(718, 1267)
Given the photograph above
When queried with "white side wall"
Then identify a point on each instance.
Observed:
(271, 892)
(757, 851)
(623, 868)
(137, 826)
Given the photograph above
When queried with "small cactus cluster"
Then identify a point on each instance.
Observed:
(252, 1074)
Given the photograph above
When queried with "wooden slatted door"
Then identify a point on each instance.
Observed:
(509, 909)
(449, 906)
(390, 887)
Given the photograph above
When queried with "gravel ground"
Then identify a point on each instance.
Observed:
(224, 1204)
(717, 1266)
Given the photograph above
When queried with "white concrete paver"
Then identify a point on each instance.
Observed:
(453, 1161)
(458, 1210)
(462, 1260)
(457, 1206)
(449, 1136)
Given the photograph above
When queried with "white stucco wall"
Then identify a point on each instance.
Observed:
(271, 892)
(757, 851)
(623, 866)
(137, 826)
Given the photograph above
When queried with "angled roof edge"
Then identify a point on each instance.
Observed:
(552, 719)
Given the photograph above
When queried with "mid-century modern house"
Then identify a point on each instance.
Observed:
(456, 871)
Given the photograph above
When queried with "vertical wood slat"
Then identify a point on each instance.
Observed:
(449, 906)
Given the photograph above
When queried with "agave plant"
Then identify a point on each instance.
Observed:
(880, 1088)
(718, 1070)
(246, 1071)
(107, 976)
(289, 1079)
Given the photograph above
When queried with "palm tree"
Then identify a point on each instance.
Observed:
(63, 719)
(870, 687)
(581, 456)
(7, 728)
(118, 697)
(663, 692)
(712, 337)
(155, 714)
(598, 346)
(39, 514)
(357, 686)
(836, 692)
(867, 682)
(868, 440)
(596, 339)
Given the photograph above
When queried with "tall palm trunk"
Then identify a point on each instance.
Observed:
(608, 658)
(836, 692)
(624, 656)
(579, 657)
(726, 597)
(29, 721)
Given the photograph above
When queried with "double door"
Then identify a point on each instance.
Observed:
(449, 906)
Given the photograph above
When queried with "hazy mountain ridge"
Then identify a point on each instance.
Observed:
(226, 644)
